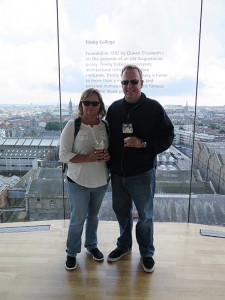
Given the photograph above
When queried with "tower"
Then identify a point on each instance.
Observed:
(186, 107)
(70, 107)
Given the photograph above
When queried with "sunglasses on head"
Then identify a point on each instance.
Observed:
(132, 81)
(88, 103)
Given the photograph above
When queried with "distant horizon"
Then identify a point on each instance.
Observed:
(66, 103)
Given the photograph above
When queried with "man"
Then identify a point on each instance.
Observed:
(139, 130)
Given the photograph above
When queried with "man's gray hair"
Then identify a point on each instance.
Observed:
(130, 67)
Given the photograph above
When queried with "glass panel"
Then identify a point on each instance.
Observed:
(209, 146)
(96, 40)
(161, 37)
(29, 100)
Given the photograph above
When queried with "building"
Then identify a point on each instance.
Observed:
(18, 156)
(209, 159)
(185, 137)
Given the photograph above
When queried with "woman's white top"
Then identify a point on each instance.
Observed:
(87, 174)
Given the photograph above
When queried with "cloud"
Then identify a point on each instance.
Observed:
(28, 42)
(73, 80)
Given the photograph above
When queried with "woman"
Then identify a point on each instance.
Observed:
(87, 174)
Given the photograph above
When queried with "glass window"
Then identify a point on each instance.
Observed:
(50, 56)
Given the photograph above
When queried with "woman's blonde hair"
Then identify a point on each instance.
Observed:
(85, 95)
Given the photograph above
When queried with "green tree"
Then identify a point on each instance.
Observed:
(55, 126)
(213, 126)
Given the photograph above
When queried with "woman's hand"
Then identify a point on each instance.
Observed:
(98, 155)
(106, 155)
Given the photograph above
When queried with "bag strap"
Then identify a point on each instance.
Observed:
(77, 123)
(106, 126)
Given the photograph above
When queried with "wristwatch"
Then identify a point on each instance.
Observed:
(143, 144)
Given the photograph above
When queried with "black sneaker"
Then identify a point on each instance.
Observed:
(148, 264)
(117, 254)
(96, 254)
(71, 262)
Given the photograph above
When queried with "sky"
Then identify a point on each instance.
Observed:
(167, 29)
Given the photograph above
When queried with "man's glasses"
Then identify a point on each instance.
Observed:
(132, 81)
(88, 103)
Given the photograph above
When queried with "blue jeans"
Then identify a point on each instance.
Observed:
(85, 204)
(140, 190)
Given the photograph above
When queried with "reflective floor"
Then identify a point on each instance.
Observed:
(188, 265)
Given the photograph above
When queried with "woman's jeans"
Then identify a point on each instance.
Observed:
(85, 204)
(140, 190)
